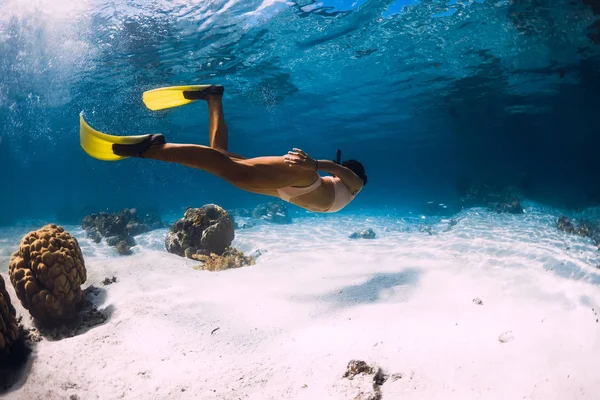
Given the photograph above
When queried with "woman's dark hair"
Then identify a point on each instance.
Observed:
(357, 168)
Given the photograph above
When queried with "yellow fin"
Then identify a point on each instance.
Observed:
(99, 145)
(168, 97)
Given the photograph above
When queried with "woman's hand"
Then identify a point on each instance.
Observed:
(300, 159)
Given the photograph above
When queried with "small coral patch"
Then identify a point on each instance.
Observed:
(231, 258)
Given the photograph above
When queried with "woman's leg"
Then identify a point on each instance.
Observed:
(262, 175)
(254, 174)
(218, 134)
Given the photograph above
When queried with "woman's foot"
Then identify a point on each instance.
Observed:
(205, 94)
(138, 149)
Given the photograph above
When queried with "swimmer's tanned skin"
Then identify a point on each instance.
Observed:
(293, 177)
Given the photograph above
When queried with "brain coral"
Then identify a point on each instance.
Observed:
(9, 330)
(47, 272)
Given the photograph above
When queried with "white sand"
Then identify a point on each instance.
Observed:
(289, 325)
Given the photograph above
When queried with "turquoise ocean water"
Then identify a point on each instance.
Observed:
(456, 108)
(428, 95)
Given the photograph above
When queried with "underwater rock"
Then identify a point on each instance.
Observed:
(9, 328)
(242, 225)
(500, 199)
(123, 248)
(512, 207)
(204, 230)
(123, 244)
(565, 225)
(257, 253)
(93, 234)
(275, 212)
(107, 224)
(231, 258)
(136, 228)
(372, 379)
(241, 212)
(583, 228)
(109, 281)
(47, 272)
(356, 367)
(272, 212)
(366, 234)
(396, 376)
(115, 240)
(506, 337)
(151, 221)
(120, 227)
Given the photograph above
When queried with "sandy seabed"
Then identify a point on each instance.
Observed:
(480, 306)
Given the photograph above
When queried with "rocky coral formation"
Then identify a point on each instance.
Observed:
(272, 212)
(275, 212)
(500, 199)
(231, 258)
(47, 271)
(583, 228)
(365, 234)
(109, 281)
(118, 229)
(512, 206)
(203, 231)
(237, 224)
(9, 328)
(372, 379)
(356, 367)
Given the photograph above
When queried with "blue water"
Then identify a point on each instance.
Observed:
(426, 94)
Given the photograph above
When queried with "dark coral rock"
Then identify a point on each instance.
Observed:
(204, 230)
(136, 228)
(93, 234)
(275, 212)
(111, 224)
(583, 228)
(512, 207)
(272, 212)
(88, 221)
(243, 225)
(378, 376)
(152, 221)
(125, 222)
(366, 234)
(109, 281)
(120, 227)
(356, 367)
(115, 240)
(123, 248)
(9, 329)
(565, 225)
(241, 212)
(504, 199)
